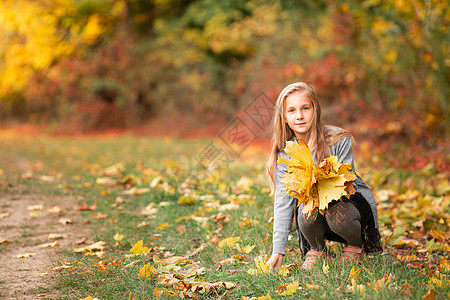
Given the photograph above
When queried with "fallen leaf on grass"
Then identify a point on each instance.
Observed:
(162, 226)
(356, 288)
(49, 245)
(288, 289)
(25, 255)
(188, 200)
(139, 248)
(84, 207)
(261, 267)
(136, 191)
(106, 181)
(89, 298)
(143, 223)
(114, 170)
(229, 242)
(381, 283)
(118, 237)
(246, 250)
(65, 221)
(229, 206)
(431, 295)
(312, 286)
(150, 209)
(325, 268)
(47, 178)
(354, 274)
(35, 207)
(56, 210)
(99, 216)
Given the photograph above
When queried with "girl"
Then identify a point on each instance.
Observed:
(353, 220)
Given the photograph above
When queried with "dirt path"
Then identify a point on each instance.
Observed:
(29, 278)
(23, 230)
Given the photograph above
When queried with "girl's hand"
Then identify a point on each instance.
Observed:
(275, 261)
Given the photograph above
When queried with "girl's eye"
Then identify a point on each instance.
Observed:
(291, 110)
(305, 108)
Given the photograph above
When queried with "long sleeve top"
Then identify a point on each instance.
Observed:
(284, 205)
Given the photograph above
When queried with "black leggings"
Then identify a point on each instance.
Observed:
(342, 221)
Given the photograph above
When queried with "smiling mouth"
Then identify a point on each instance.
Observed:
(300, 124)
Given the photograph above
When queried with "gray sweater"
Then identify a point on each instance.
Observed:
(284, 205)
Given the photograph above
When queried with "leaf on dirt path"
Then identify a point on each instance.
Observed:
(106, 181)
(229, 242)
(98, 246)
(25, 255)
(3, 241)
(136, 191)
(118, 237)
(43, 274)
(56, 236)
(35, 207)
(65, 221)
(35, 214)
(56, 210)
(138, 248)
(81, 241)
(27, 175)
(313, 186)
(5, 214)
(49, 245)
(84, 207)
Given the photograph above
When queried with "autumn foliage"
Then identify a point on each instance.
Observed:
(114, 63)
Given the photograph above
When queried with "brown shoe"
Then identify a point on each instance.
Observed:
(311, 258)
(352, 253)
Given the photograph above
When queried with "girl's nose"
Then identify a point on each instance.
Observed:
(299, 115)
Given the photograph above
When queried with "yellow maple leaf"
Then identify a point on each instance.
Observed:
(291, 289)
(314, 186)
(139, 248)
(229, 242)
(118, 237)
(145, 271)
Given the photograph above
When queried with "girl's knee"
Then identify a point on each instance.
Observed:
(340, 215)
(306, 221)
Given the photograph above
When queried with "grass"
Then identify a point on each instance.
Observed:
(176, 229)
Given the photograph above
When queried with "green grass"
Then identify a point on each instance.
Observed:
(78, 162)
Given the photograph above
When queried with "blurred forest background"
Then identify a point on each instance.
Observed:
(80, 65)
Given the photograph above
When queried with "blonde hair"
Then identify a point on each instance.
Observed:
(318, 137)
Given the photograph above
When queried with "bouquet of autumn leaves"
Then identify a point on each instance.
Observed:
(315, 186)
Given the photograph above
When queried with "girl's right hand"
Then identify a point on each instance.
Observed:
(275, 261)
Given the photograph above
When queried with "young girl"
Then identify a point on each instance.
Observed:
(353, 220)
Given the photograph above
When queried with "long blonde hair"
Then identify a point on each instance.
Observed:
(319, 136)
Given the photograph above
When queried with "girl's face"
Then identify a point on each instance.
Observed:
(299, 114)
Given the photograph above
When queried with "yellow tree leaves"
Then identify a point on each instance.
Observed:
(314, 186)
